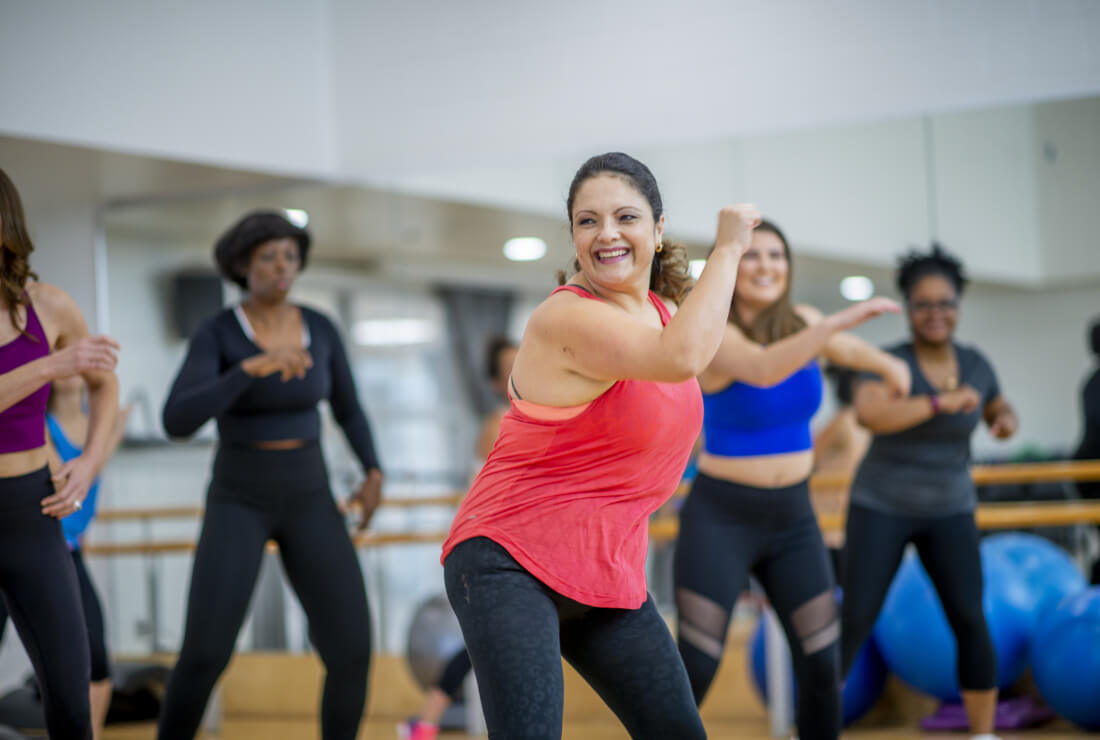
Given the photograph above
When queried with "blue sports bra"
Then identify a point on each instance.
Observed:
(744, 420)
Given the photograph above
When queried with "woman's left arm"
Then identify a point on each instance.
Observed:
(75, 477)
(348, 412)
(848, 350)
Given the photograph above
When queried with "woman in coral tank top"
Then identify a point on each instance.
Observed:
(546, 555)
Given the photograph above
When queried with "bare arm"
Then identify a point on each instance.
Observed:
(24, 380)
(84, 353)
(602, 343)
(75, 477)
(1001, 418)
(883, 413)
(848, 350)
(741, 359)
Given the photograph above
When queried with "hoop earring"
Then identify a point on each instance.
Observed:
(660, 246)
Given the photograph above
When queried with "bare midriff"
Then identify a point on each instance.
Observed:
(762, 471)
(14, 464)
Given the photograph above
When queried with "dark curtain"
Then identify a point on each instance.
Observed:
(474, 315)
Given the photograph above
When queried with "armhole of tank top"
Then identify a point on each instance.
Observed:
(662, 309)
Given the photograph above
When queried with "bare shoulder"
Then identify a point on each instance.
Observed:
(57, 311)
(563, 306)
(808, 313)
(669, 304)
(49, 297)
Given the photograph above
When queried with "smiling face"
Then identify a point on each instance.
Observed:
(763, 275)
(933, 309)
(272, 268)
(614, 233)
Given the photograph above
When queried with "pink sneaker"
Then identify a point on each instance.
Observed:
(414, 729)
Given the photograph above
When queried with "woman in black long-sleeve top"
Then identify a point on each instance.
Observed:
(260, 369)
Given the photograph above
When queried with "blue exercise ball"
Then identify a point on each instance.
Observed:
(1065, 658)
(917, 643)
(865, 682)
(1049, 572)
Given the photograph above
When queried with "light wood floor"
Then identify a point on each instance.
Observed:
(376, 730)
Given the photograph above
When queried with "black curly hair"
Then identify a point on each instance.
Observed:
(234, 248)
(916, 264)
(495, 346)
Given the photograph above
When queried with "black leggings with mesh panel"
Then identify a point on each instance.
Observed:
(729, 531)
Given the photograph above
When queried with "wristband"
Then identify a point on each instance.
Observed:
(935, 400)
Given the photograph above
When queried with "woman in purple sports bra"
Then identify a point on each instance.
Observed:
(43, 337)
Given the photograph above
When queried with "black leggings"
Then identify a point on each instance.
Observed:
(517, 630)
(40, 591)
(728, 530)
(93, 620)
(284, 495)
(454, 673)
(948, 548)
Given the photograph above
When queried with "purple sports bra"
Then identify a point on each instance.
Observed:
(23, 425)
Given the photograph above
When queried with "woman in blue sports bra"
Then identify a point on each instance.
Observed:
(749, 508)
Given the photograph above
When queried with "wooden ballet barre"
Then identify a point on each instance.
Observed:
(121, 515)
(1001, 515)
(992, 475)
(175, 546)
(984, 475)
(195, 512)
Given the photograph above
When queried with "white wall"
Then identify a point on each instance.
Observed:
(495, 83)
(380, 90)
(244, 83)
(1067, 150)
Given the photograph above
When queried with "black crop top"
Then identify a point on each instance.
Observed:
(212, 383)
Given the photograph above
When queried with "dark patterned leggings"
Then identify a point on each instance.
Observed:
(517, 631)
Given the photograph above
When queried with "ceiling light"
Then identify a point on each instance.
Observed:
(524, 249)
(857, 288)
(296, 216)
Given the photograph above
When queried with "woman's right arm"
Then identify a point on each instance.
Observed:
(602, 343)
(883, 412)
(84, 355)
(201, 390)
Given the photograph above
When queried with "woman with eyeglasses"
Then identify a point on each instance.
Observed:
(914, 485)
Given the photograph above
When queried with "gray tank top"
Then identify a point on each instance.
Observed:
(925, 470)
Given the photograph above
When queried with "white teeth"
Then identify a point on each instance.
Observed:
(612, 253)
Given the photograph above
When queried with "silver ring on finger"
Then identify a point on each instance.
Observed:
(78, 505)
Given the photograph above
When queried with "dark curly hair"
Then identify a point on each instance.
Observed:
(497, 344)
(916, 264)
(670, 273)
(15, 249)
(234, 248)
(1094, 337)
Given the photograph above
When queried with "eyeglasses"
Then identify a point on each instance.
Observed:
(944, 306)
